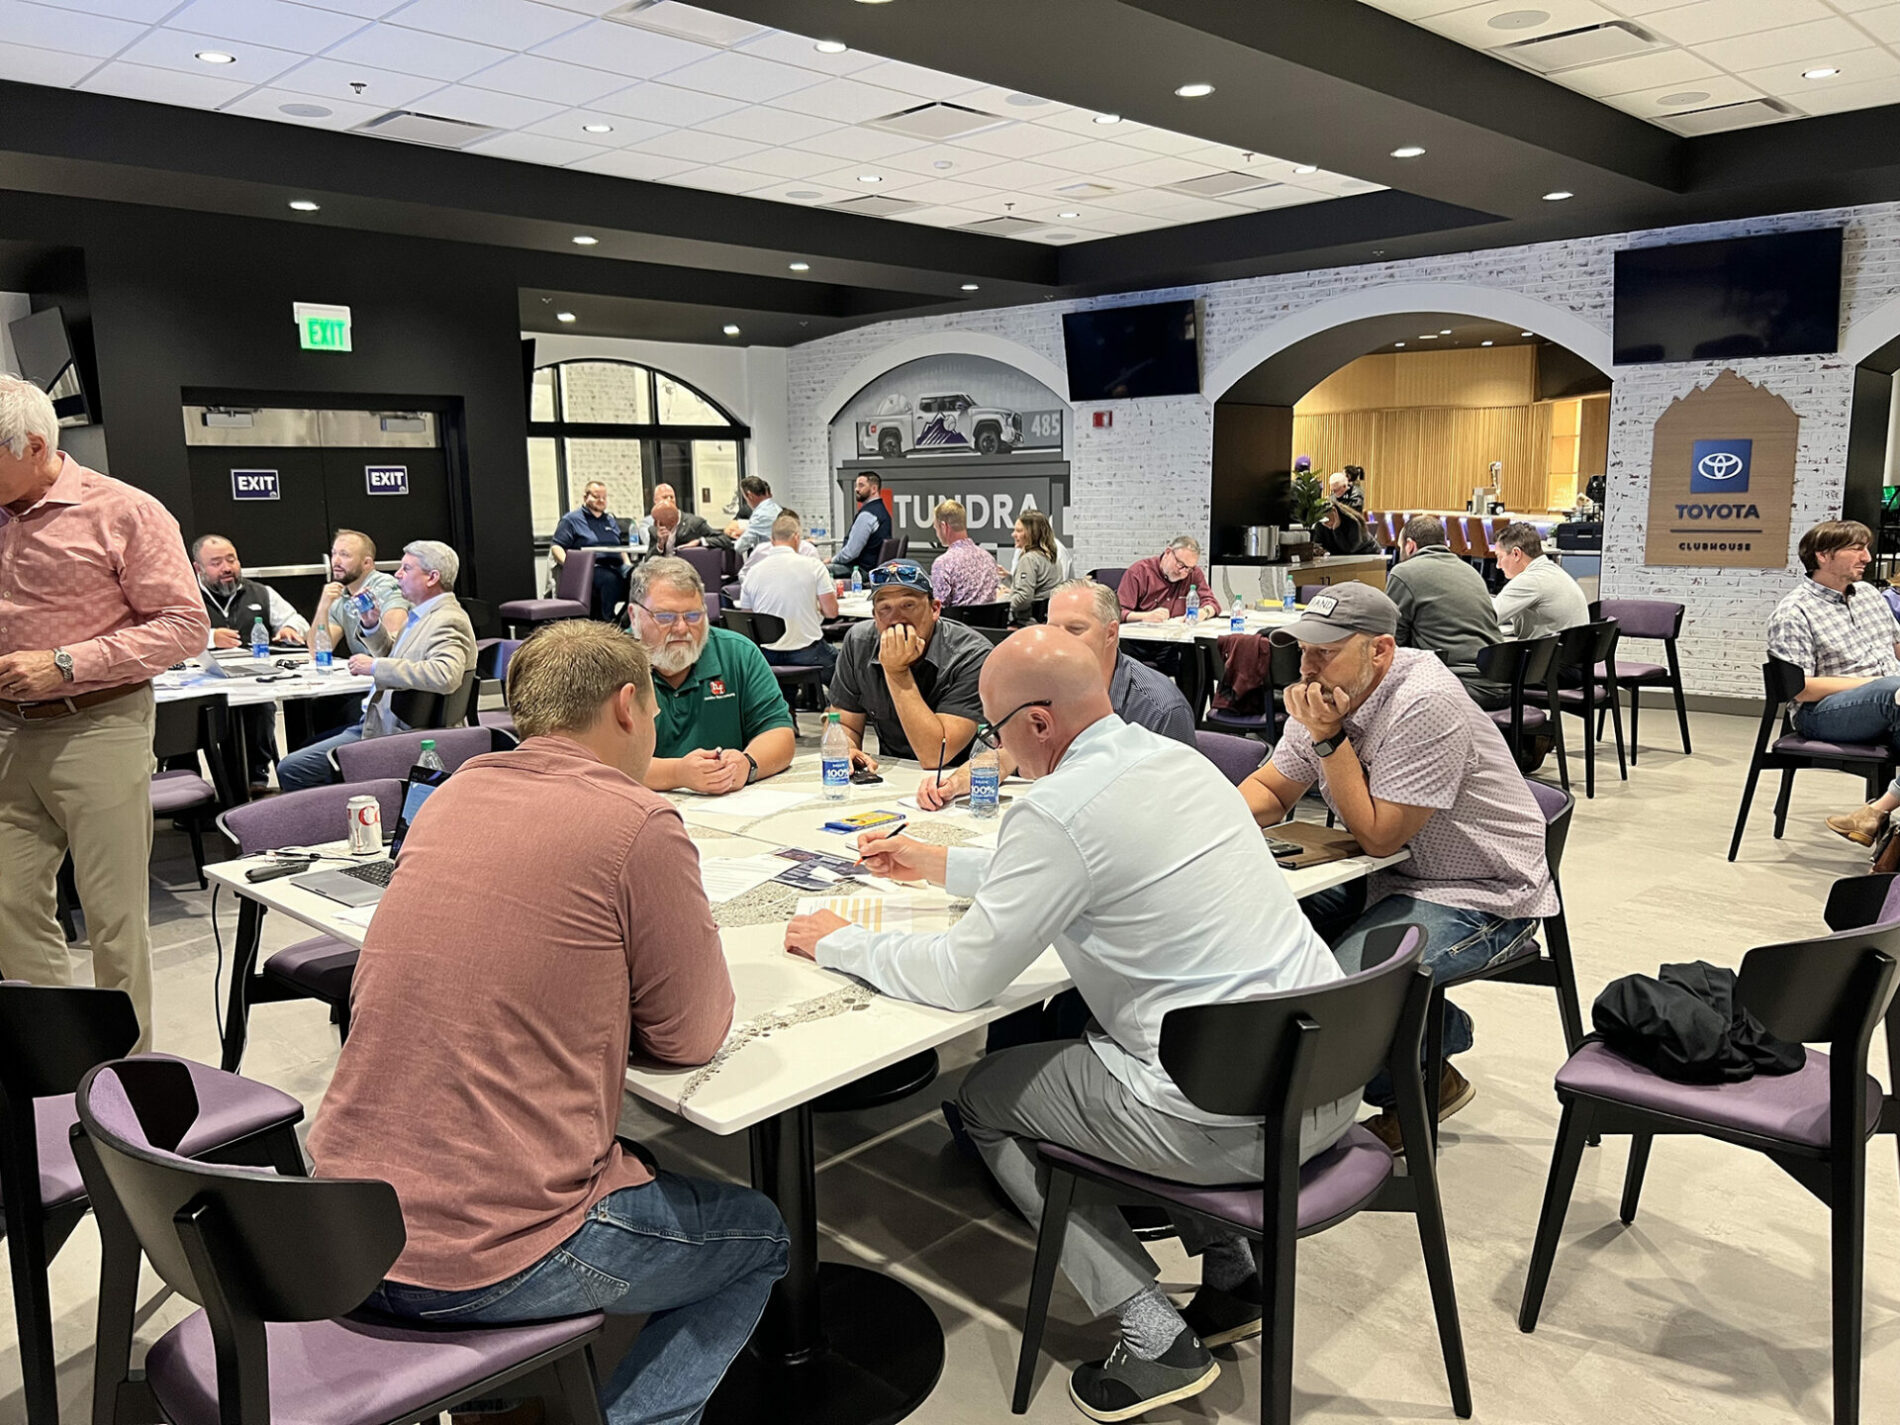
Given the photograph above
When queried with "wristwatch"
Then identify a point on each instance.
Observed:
(63, 661)
(752, 775)
(1327, 748)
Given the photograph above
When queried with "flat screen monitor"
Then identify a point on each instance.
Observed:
(1118, 353)
(45, 353)
(1778, 294)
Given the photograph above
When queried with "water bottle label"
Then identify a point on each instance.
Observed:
(984, 783)
(837, 771)
(324, 660)
(1237, 624)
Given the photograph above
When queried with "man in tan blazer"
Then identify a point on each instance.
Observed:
(432, 655)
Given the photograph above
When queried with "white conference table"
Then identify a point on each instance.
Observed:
(839, 1344)
(286, 684)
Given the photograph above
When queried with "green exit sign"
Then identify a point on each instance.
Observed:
(321, 327)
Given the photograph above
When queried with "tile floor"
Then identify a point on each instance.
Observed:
(1712, 1307)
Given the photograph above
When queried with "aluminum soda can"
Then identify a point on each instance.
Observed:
(366, 826)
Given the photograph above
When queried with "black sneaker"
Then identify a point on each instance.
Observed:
(1124, 1385)
(1221, 1318)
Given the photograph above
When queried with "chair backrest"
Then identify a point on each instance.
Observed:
(202, 723)
(1303, 593)
(1237, 757)
(1854, 902)
(990, 615)
(1111, 575)
(1557, 805)
(1642, 618)
(715, 610)
(306, 818)
(1039, 610)
(1830, 989)
(711, 564)
(52, 1035)
(481, 614)
(492, 657)
(761, 628)
(1781, 680)
(456, 705)
(893, 549)
(246, 1244)
(376, 758)
(575, 578)
(1603, 649)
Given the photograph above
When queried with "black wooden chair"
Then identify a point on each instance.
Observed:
(793, 679)
(182, 730)
(1577, 687)
(1661, 621)
(418, 710)
(1524, 664)
(989, 615)
(1277, 1057)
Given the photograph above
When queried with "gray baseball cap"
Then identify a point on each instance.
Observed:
(1338, 612)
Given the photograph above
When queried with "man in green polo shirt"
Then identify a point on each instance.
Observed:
(722, 721)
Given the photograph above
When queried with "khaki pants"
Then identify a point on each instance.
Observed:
(83, 782)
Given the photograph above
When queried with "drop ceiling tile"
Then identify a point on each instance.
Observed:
(535, 77)
(622, 131)
(148, 12)
(1854, 7)
(486, 106)
(690, 22)
(1832, 99)
(858, 143)
(585, 7)
(806, 194)
(1021, 141)
(1011, 103)
(663, 104)
(1473, 24)
(788, 48)
(716, 180)
(846, 100)
(1883, 24)
(847, 177)
(1156, 171)
(414, 52)
(333, 79)
(163, 86)
(1146, 202)
(1100, 157)
(786, 163)
(269, 104)
(362, 9)
(738, 75)
(26, 65)
(1222, 155)
(1280, 195)
(1176, 207)
(1809, 41)
(266, 22)
(774, 126)
(1721, 89)
(1416, 9)
(512, 24)
(42, 27)
(1023, 175)
(915, 79)
(1082, 121)
(1707, 20)
(697, 145)
(533, 148)
(626, 163)
(940, 217)
(1855, 69)
(1644, 71)
(1116, 224)
(946, 190)
(624, 49)
(1161, 141)
(174, 49)
(957, 162)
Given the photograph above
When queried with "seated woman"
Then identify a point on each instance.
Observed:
(1038, 566)
(1344, 531)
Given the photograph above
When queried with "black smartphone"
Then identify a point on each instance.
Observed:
(864, 778)
(1283, 848)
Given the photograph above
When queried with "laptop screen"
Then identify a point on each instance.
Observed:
(422, 784)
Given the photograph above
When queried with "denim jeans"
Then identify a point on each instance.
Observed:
(699, 1256)
(1457, 941)
(1864, 714)
(310, 766)
(812, 655)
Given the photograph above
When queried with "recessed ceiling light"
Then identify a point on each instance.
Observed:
(803, 193)
(942, 163)
(1108, 118)
(1825, 72)
(1398, 343)
(870, 178)
(1410, 150)
(1428, 336)
(1306, 168)
(563, 316)
(597, 128)
(1559, 195)
(1068, 215)
(215, 56)
(1444, 331)
(1194, 91)
(1486, 343)
(801, 267)
(1527, 333)
(584, 240)
(729, 329)
(303, 205)
(831, 46)
(305, 111)
(969, 286)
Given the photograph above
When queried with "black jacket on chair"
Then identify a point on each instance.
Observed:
(1685, 1025)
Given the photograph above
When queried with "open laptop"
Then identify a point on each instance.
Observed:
(245, 667)
(365, 883)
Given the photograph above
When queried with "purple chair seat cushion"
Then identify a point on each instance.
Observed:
(348, 1371)
(1338, 1181)
(1636, 672)
(542, 610)
(229, 1108)
(1533, 718)
(1572, 697)
(1794, 745)
(173, 792)
(321, 967)
(1792, 1107)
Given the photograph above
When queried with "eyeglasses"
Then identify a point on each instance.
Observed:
(667, 620)
(990, 735)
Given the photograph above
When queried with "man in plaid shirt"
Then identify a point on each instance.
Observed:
(1842, 634)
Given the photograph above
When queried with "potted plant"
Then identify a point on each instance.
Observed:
(1309, 499)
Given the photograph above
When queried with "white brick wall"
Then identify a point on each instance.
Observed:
(1149, 474)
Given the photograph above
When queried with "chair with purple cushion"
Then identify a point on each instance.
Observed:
(377, 758)
(1109, 575)
(1522, 663)
(49, 1037)
(1656, 619)
(1276, 1057)
(281, 1267)
(1576, 686)
(765, 629)
(1779, 747)
(710, 564)
(573, 596)
(1237, 757)
(319, 968)
(1813, 1124)
(1306, 593)
(492, 657)
(181, 730)
(1283, 671)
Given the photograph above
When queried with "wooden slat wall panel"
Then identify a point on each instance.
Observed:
(1430, 459)
(1476, 378)
(1593, 452)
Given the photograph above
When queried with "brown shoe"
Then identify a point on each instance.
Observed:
(1454, 1092)
(1859, 827)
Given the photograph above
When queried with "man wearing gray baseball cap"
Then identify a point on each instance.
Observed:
(1405, 758)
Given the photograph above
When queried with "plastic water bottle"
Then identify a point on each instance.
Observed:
(834, 757)
(985, 783)
(429, 757)
(260, 639)
(1237, 621)
(857, 580)
(1194, 604)
(1286, 598)
(320, 651)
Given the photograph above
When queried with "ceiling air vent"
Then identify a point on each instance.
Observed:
(1571, 49)
(1727, 116)
(1086, 190)
(1219, 185)
(411, 127)
(872, 206)
(938, 123)
(1003, 227)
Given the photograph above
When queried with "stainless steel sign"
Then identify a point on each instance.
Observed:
(991, 503)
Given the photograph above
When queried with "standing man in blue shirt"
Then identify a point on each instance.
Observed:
(585, 528)
(864, 543)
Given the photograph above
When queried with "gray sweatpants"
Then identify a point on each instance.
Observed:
(1063, 1093)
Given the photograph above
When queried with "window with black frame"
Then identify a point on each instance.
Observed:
(634, 428)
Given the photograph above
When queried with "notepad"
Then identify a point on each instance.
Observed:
(728, 877)
(752, 802)
(871, 912)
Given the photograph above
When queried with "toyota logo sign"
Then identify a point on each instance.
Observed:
(1720, 467)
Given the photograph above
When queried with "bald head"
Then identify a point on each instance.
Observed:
(1042, 665)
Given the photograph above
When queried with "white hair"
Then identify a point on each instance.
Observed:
(670, 570)
(1185, 541)
(436, 557)
(1108, 606)
(25, 411)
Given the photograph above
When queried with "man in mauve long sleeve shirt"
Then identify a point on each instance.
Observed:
(97, 596)
(512, 963)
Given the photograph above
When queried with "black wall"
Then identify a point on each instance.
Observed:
(182, 301)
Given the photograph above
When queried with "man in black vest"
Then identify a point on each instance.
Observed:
(864, 545)
(234, 605)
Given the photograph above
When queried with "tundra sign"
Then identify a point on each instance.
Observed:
(991, 503)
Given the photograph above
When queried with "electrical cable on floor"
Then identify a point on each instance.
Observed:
(217, 975)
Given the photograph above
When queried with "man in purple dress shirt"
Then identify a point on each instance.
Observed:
(963, 573)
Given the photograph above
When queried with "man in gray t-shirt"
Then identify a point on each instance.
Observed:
(353, 572)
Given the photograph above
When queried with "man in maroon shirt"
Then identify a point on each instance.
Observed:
(512, 961)
(1156, 589)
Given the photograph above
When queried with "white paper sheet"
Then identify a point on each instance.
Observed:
(752, 802)
(871, 912)
(358, 915)
(727, 877)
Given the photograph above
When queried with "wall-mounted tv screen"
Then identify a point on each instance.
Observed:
(45, 352)
(1116, 353)
(1778, 294)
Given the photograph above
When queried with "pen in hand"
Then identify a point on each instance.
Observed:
(886, 833)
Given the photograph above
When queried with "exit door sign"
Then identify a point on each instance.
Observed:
(322, 328)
